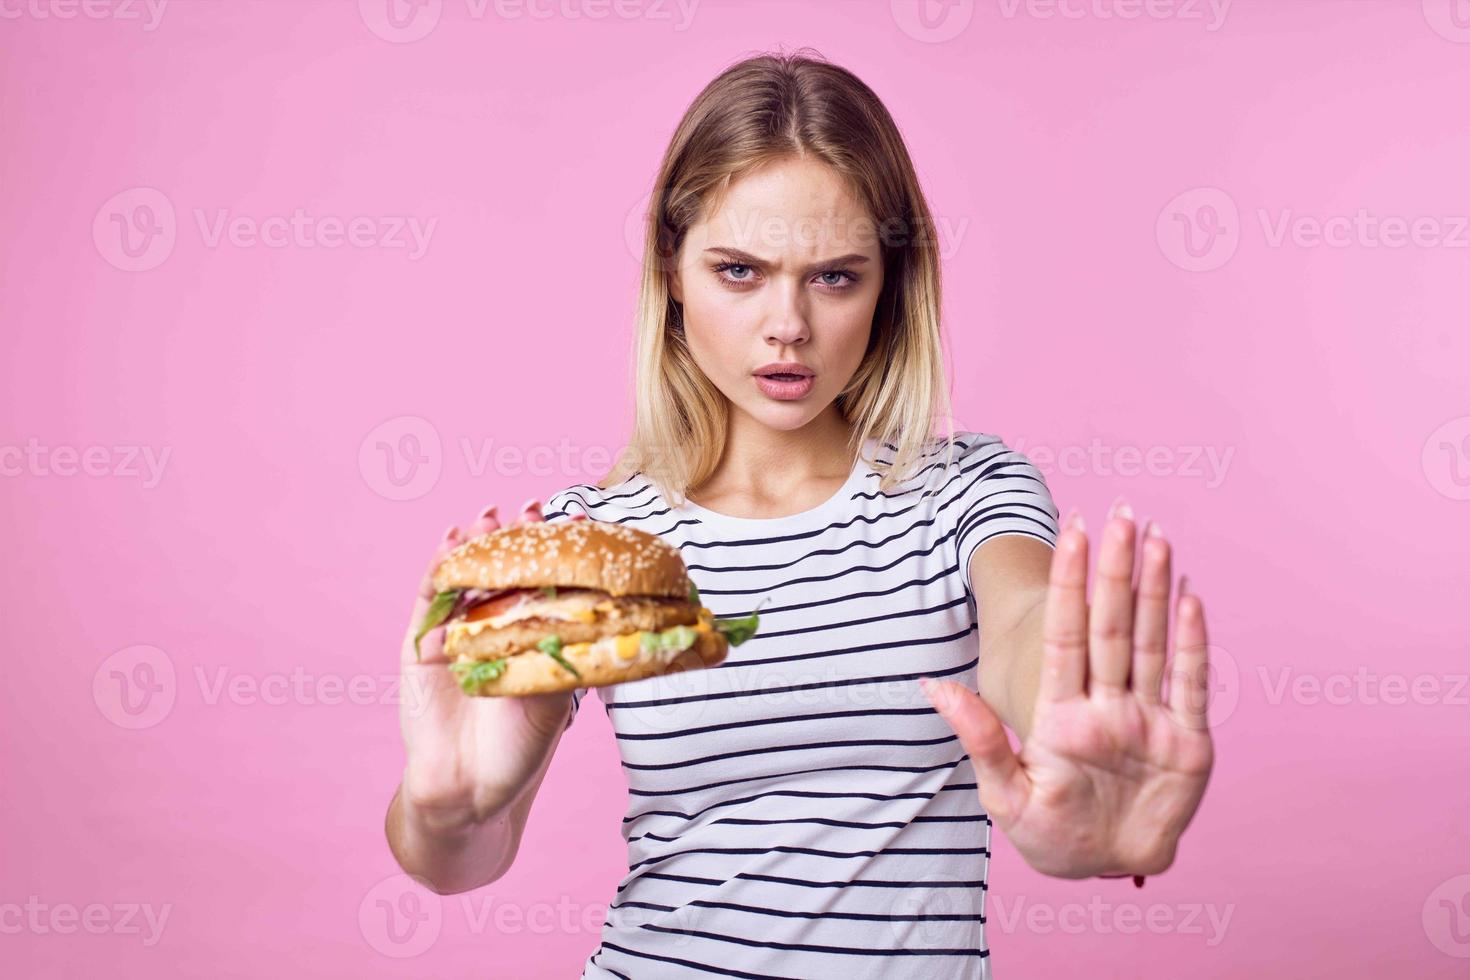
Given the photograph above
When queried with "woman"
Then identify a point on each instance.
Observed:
(820, 804)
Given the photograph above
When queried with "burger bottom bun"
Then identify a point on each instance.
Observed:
(533, 672)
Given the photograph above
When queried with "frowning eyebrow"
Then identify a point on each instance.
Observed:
(745, 258)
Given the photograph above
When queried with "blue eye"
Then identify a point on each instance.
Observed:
(844, 279)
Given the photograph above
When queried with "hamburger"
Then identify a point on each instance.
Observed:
(538, 607)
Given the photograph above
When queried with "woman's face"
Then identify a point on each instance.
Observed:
(786, 270)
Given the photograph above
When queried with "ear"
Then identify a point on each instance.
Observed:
(676, 286)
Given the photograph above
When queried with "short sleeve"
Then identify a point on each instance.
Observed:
(992, 490)
(563, 506)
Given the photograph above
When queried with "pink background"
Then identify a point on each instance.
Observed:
(1332, 383)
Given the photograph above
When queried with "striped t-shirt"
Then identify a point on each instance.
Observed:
(800, 810)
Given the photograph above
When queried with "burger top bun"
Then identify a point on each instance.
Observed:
(615, 558)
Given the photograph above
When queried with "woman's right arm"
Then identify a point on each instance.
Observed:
(474, 764)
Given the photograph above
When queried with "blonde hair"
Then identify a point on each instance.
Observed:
(758, 111)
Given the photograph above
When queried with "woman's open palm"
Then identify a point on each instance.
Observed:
(1112, 769)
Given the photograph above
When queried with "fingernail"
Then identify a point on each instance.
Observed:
(450, 533)
(489, 512)
(1153, 530)
(1120, 508)
(1074, 521)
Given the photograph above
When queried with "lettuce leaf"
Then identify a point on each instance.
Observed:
(439, 611)
(472, 674)
(551, 646)
(737, 631)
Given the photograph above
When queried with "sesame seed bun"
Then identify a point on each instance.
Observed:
(614, 558)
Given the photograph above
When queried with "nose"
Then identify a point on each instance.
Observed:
(786, 324)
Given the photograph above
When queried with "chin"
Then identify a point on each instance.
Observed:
(784, 417)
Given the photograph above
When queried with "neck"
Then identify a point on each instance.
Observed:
(769, 462)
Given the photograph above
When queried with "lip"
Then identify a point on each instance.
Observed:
(785, 389)
(784, 367)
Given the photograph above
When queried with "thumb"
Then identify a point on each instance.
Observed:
(1004, 785)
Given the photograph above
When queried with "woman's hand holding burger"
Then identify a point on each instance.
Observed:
(473, 763)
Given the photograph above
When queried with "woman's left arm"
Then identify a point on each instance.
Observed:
(1110, 771)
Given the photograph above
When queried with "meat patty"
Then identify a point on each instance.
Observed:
(611, 618)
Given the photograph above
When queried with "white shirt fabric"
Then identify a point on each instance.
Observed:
(800, 811)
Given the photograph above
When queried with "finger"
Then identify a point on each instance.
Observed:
(531, 512)
(1110, 622)
(408, 654)
(1003, 784)
(452, 539)
(489, 520)
(1151, 616)
(1189, 681)
(1064, 621)
(431, 647)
